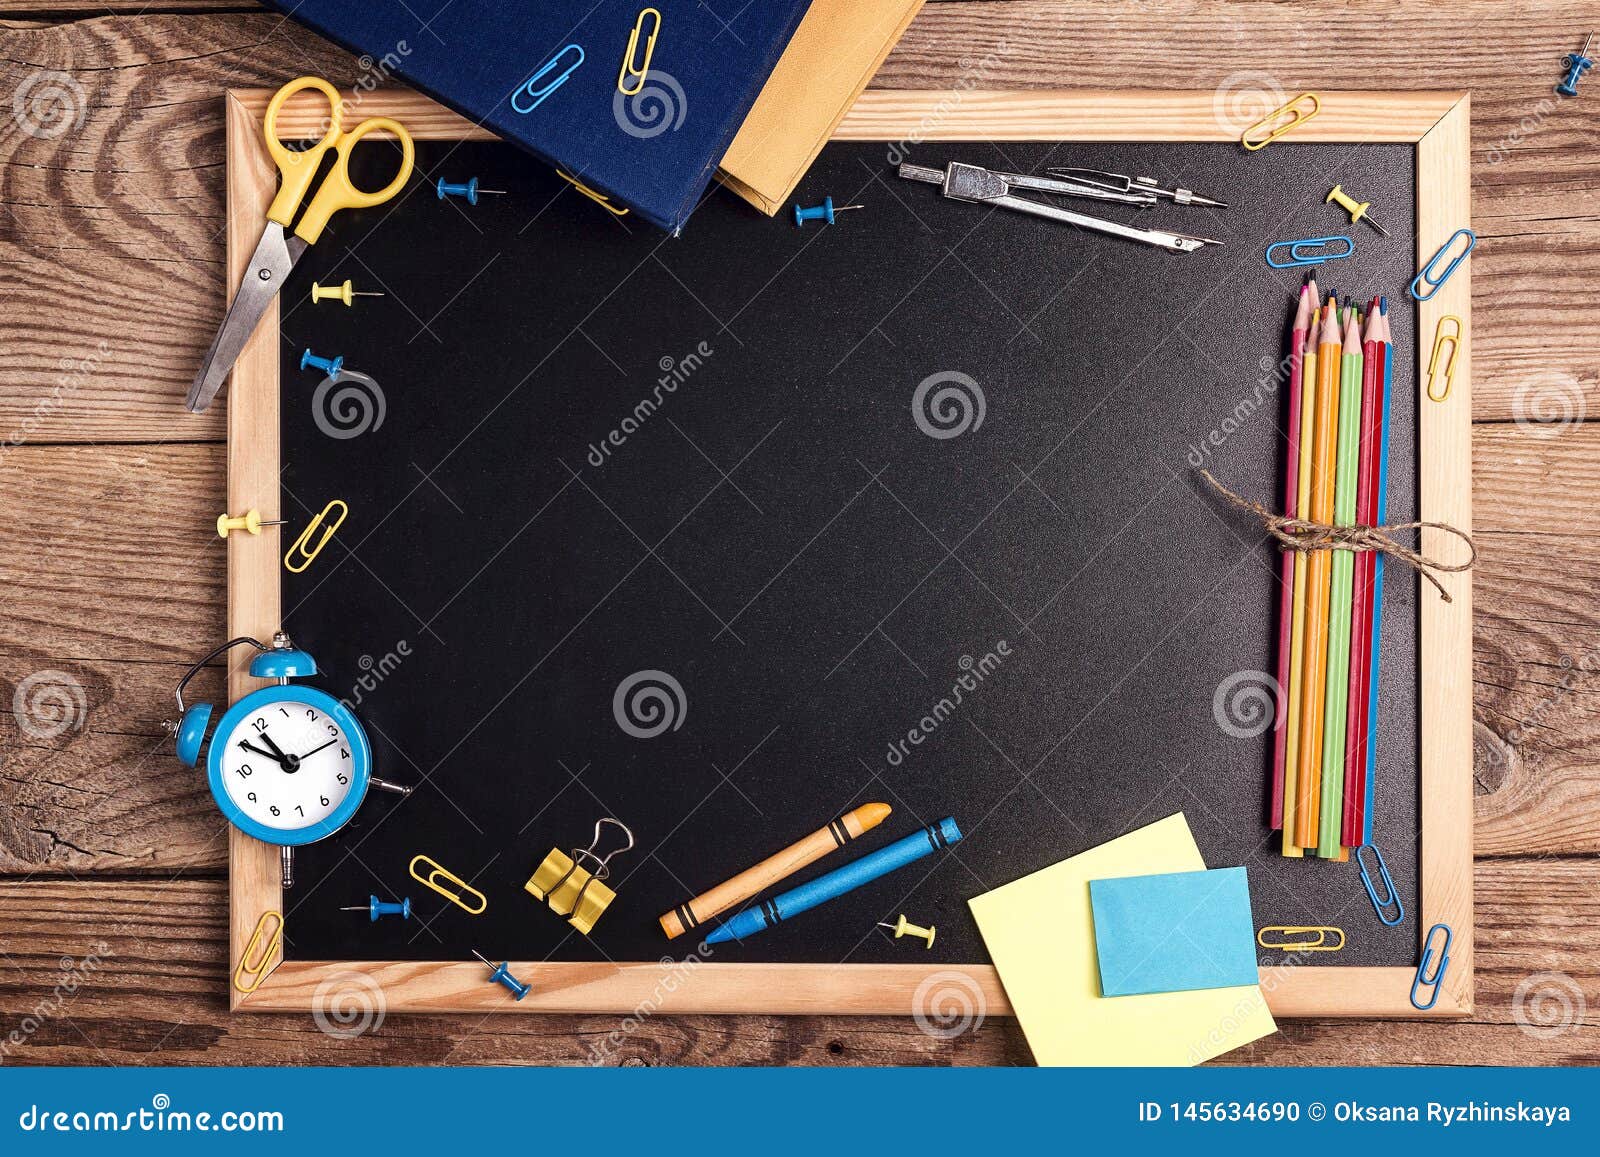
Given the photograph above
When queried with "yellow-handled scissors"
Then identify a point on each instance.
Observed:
(277, 252)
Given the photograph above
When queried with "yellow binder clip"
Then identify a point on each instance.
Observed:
(629, 71)
(1301, 938)
(598, 198)
(1441, 338)
(573, 890)
(248, 976)
(300, 555)
(1298, 116)
(459, 891)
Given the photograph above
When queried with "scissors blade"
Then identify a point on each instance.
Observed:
(275, 255)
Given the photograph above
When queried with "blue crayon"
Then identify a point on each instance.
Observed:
(868, 868)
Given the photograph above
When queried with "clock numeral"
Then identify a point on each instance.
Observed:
(344, 753)
(252, 797)
(246, 771)
(285, 712)
(274, 809)
(311, 714)
(332, 730)
(324, 801)
(342, 777)
(260, 724)
(300, 809)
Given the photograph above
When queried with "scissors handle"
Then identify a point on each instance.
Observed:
(297, 169)
(337, 192)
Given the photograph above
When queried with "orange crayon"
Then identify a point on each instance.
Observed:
(836, 834)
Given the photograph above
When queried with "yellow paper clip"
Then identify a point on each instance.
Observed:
(258, 970)
(298, 553)
(598, 198)
(1296, 938)
(628, 69)
(464, 890)
(1299, 118)
(572, 890)
(1440, 337)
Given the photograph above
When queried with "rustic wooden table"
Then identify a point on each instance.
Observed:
(112, 856)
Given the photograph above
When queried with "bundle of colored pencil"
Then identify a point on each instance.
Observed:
(1330, 606)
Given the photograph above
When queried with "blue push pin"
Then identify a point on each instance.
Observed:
(469, 190)
(1576, 64)
(377, 907)
(330, 366)
(822, 212)
(502, 975)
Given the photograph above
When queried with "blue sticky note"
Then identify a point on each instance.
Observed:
(1174, 932)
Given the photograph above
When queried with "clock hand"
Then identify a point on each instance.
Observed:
(281, 760)
(267, 739)
(314, 750)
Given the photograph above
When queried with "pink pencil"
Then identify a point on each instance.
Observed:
(1291, 487)
(1359, 721)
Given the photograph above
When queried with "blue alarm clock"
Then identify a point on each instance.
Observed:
(288, 764)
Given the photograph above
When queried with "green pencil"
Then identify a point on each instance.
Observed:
(1340, 595)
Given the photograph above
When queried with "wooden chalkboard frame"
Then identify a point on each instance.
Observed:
(1436, 122)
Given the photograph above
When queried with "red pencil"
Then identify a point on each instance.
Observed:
(1355, 748)
(1291, 489)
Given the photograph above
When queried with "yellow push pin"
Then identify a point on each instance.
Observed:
(903, 927)
(250, 520)
(338, 292)
(1356, 209)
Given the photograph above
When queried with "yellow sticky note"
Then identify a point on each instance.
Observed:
(1040, 932)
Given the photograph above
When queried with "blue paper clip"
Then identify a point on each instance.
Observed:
(1296, 257)
(531, 86)
(1426, 278)
(1436, 981)
(1380, 906)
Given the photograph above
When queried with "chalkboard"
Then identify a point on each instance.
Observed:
(904, 508)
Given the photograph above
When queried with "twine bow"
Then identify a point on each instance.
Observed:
(1300, 534)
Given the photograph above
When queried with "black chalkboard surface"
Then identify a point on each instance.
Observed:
(929, 471)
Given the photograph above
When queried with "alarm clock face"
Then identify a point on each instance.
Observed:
(291, 761)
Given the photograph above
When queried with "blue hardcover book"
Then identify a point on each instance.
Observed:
(549, 76)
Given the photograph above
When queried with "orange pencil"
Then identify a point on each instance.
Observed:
(1314, 676)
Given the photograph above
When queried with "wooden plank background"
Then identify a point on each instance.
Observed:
(112, 895)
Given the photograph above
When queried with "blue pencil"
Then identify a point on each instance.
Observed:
(760, 917)
(1380, 513)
